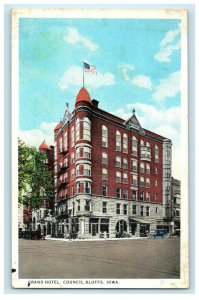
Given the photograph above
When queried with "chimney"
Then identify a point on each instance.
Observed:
(95, 103)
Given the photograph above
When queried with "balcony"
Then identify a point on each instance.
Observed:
(63, 168)
(63, 184)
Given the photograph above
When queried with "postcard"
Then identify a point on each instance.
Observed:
(99, 148)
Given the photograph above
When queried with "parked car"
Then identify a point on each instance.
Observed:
(159, 235)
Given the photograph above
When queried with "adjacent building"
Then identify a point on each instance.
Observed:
(112, 177)
(176, 200)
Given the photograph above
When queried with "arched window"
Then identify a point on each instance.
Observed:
(125, 143)
(118, 141)
(77, 129)
(104, 136)
(156, 154)
(134, 146)
(72, 136)
(65, 140)
(86, 129)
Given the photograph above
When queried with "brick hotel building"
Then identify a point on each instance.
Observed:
(112, 177)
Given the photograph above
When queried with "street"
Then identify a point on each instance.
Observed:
(143, 258)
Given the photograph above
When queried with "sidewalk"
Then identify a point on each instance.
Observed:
(94, 239)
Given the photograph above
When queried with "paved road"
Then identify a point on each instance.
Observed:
(143, 258)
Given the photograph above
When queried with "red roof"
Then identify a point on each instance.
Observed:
(58, 126)
(44, 146)
(83, 95)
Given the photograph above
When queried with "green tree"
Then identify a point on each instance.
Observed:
(35, 181)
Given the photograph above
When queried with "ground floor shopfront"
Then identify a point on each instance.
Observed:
(109, 227)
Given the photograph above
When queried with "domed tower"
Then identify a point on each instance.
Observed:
(83, 106)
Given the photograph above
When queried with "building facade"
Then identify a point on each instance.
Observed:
(112, 177)
(176, 200)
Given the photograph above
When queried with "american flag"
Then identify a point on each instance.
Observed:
(89, 68)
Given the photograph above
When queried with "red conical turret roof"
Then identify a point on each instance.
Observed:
(44, 146)
(83, 95)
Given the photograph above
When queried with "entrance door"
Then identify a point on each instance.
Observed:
(94, 229)
(133, 228)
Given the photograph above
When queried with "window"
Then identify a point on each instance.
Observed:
(72, 157)
(142, 168)
(104, 136)
(118, 161)
(134, 146)
(156, 183)
(118, 192)
(104, 190)
(142, 196)
(141, 181)
(134, 195)
(156, 170)
(104, 174)
(60, 145)
(118, 141)
(65, 140)
(72, 136)
(147, 182)
(134, 209)
(78, 187)
(147, 211)
(65, 162)
(104, 207)
(125, 164)
(86, 129)
(167, 173)
(78, 153)
(141, 143)
(87, 188)
(147, 196)
(125, 209)
(145, 152)
(125, 194)
(156, 154)
(118, 176)
(86, 152)
(156, 210)
(78, 170)
(125, 143)
(125, 178)
(118, 208)
(104, 158)
(87, 170)
(147, 169)
(77, 129)
(141, 210)
(134, 165)
(87, 205)
(135, 181)
(78, 205)
(73, 173)
(156, 196)
(167, 186)
(55, 168)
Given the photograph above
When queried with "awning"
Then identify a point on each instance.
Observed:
(140, 221)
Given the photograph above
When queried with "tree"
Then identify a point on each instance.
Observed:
(35, 181)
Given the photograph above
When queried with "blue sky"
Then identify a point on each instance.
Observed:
(137, 62)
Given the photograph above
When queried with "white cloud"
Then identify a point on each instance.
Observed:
(35, 137)
(126, 69)
(74, 37)
(73, 77)
(168, 45)
(167, 88)
(142, 82)
(165, 122)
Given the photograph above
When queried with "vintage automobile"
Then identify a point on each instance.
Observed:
(159, 235)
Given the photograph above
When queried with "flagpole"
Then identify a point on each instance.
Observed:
(83, 74)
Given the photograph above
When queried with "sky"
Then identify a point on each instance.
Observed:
(138, 63)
